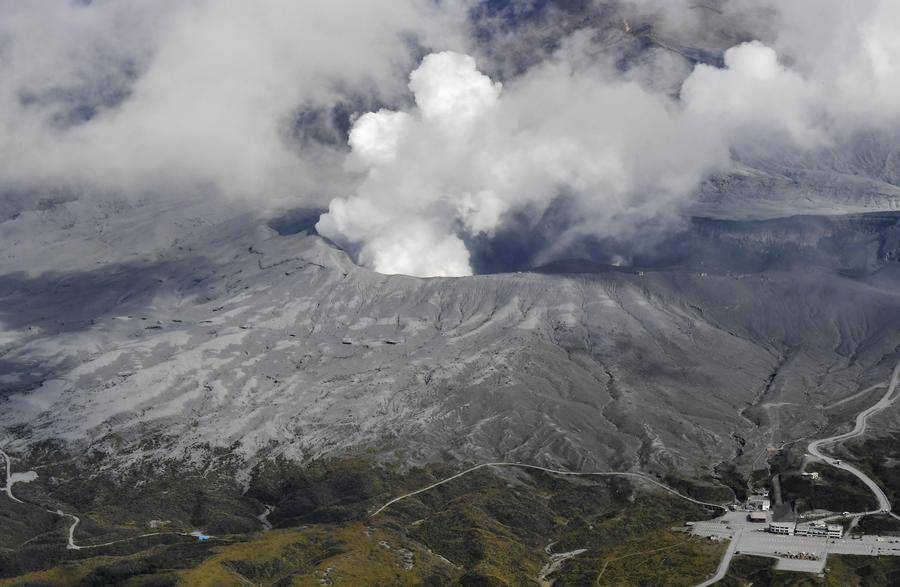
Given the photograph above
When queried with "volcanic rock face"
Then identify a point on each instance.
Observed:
(228, 334)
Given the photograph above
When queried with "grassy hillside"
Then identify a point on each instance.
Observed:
(841, 571)
(491, 527)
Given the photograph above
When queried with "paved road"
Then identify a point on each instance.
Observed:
(640, 476)
(752, 539)
(858, 430)
(70, 543)
(726, 560)
(8, 488)
(755, 542)
(75, 520)
(862, 422)
(854, 396)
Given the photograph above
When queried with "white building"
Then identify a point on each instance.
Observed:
(758, 516)
(758, 502)
(782, 528)
(820, 529)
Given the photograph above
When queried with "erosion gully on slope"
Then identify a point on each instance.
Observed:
(814, 449)
(858, 430)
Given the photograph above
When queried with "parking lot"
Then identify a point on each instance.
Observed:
(753, 539)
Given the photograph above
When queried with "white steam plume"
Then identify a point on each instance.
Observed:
(849, 52)
(468, 153)
(194, 95)
(202, 96)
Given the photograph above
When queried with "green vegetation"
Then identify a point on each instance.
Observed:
(20, 523)
(114, 503)
(705, 489)
(488, 528)
(754, 570)
(880, 458)
(639, 527)
(729, 475)
(159, 562)
(884, 525)
(840, 571)
(658, 558)
(835, 490)
(320, 492)
(153, 496)
(350, 554)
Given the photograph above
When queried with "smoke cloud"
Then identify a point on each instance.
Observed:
(222, 97)
(197, 96)
(753, 96)
(849, 51)
(472, 150)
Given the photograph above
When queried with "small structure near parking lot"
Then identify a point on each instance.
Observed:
(758, 502)
(758, 517)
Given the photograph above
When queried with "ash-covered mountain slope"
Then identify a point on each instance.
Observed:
(861, 174)
(224, 333)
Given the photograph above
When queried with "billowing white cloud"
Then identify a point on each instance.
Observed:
(375, 136)
(754, 96)
(831, 70)
(198, 95)
(453, 166)
(447, 86)
(849, 51)
(403, 213)
(203, 96)
(622, 152)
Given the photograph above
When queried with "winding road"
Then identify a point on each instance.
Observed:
(814, 449)
(75, 520)
(8, 488)
(70, 542)
(858, 430)
(862, 421)
(722, 570)
(555, 559)
(640, 476)
(855, 395)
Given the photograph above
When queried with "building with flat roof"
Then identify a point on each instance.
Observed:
(786, 528)
(758, 502)
(820, 529)
(761, 517)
